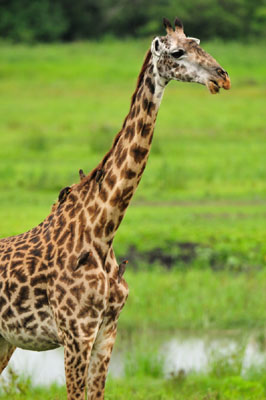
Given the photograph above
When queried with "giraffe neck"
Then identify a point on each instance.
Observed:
(120, 171)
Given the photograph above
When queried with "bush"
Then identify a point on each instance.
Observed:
(47, 20)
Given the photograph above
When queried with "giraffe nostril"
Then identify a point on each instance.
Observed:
(221, 72)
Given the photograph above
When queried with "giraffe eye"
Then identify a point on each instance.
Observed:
(157, 45)
(178, 53)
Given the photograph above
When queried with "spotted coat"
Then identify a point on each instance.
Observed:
(59, 283)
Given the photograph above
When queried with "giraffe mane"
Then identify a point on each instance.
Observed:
(141, 75)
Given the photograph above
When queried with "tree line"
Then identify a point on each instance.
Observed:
(68, 20)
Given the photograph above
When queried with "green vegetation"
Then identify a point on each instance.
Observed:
(145, 380)
(199, 211)
(192, 388)
(195, 387)
(63, 20)
(195, 300)
(205, 181)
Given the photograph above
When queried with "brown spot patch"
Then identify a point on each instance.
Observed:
(22, 296)
(132, 113)
(103, 217)
(63, 238)
(146, 129)
(103, 194)
(77, 291)
(128, 173)
(98, 230)
(145, 104)
(88, 235)
(127, 193)
(8, 314)
(60, 293)
(118, 149)
(110, 180)
(70, 243)
(31, 264)
(109, 228)
(141, 171)
(150, 85)
(151, 108)
(99, 250)
(150, 139)
(93, 211)
(119, 221)
(123, 205)
(37, 280)
(115, 198)
(139, 93)
(140, 125)
(130, 130)
(19, 274)
(138, 153)
(107, 267)
(121, 158)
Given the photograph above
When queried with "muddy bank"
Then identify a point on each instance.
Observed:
(183, 255)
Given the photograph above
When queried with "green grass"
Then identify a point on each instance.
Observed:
(194, 388)
(205, 184)
(229, 235)
(224, 381)
(61, 105)
(58, 111)
(57, 106)
(195, 300)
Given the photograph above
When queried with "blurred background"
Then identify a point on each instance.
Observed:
(65, 20)
(194, 324)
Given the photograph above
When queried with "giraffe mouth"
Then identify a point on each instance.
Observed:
(213, 86)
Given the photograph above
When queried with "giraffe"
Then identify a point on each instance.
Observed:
(60, 283)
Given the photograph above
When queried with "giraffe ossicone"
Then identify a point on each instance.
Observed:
(60, 284)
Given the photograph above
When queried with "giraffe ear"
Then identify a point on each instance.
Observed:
(156, 46)
(179, 25)
(195, 39)
(168, 26)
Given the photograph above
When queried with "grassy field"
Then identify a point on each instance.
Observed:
(147, 388)
(144, 380)
(61, 105)
(195, 232)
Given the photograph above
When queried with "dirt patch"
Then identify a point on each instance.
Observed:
(178, 252)
(185, 254)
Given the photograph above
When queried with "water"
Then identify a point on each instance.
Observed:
(197, 354)
(179, 354)
(43, 368)
(47, 367)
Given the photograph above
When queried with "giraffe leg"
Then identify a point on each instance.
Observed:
(78, 317)
(103, 345)
(78, 338)
(76, 357)
(6, 351)
(100, 358)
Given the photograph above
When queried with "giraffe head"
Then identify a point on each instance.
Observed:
(180, 57)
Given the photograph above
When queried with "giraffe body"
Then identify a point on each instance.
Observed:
(60, 284)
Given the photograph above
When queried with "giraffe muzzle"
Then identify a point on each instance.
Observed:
(221, 81)
(214, 85)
